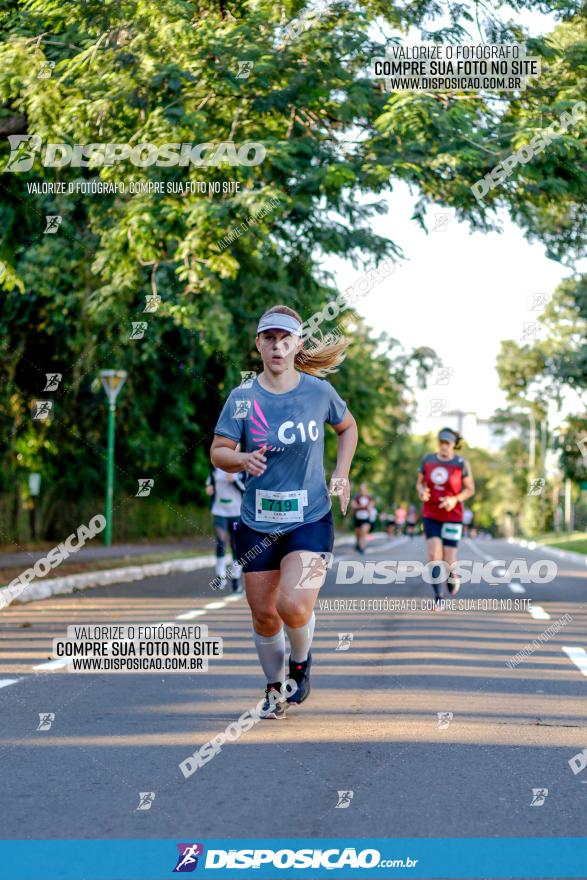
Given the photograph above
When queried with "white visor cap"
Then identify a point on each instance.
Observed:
(279, 321)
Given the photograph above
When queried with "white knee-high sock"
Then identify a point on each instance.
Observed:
(271, 651)
(300, 639)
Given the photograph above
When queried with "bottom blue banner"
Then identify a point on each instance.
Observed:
(269, 859)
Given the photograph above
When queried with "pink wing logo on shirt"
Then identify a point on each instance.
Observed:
(261, 428)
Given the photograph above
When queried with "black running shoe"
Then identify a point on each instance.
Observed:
(300, 672)
(237, 586)
(274, 706)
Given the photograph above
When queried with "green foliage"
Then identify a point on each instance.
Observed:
(133, 71)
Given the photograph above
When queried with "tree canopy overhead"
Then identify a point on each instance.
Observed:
(233, 73)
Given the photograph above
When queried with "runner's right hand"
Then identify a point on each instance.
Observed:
(424, 493)
(254, 462)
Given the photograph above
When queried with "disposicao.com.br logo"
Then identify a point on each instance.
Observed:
(329, 859)
(24, 149)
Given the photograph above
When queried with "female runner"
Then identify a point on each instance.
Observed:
(285, 534)
(445, 480)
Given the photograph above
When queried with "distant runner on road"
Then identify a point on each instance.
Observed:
(362, 504)
(444, 481)
(400, 519)
(286, 533)
(227, 491)
(411, 521)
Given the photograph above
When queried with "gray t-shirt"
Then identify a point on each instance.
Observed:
(293, 489)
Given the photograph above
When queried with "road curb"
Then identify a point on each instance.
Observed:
(562, 554)
(44, 589)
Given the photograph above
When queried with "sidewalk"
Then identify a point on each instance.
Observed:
(95, 551)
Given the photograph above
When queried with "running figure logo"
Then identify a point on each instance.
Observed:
(145, 486)
(344, 641)
(444, 719)
(247, 378)
(46, 719)
(42, 409)
(188, 857)
(53, 380)
(53, 223)
(344, 800)
(241, 409)
(314, 569)
(337, 485)
(438, 406)
(539, 795)
(536, 486)
(153, 301)
(443, 375)
(146, 799)
(138, 329)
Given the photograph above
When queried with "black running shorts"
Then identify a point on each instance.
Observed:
(258, 551)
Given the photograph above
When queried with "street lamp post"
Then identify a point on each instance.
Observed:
(112, 382)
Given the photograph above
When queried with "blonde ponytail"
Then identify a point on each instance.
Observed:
(322, 358)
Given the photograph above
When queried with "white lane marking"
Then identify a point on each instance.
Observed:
(235, 597)
(538, 612)
(214, 606)
(189, 615)
(516, 588)
(53, 664)
(578, 656)
(4, 682)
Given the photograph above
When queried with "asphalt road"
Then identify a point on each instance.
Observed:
(371, 726)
